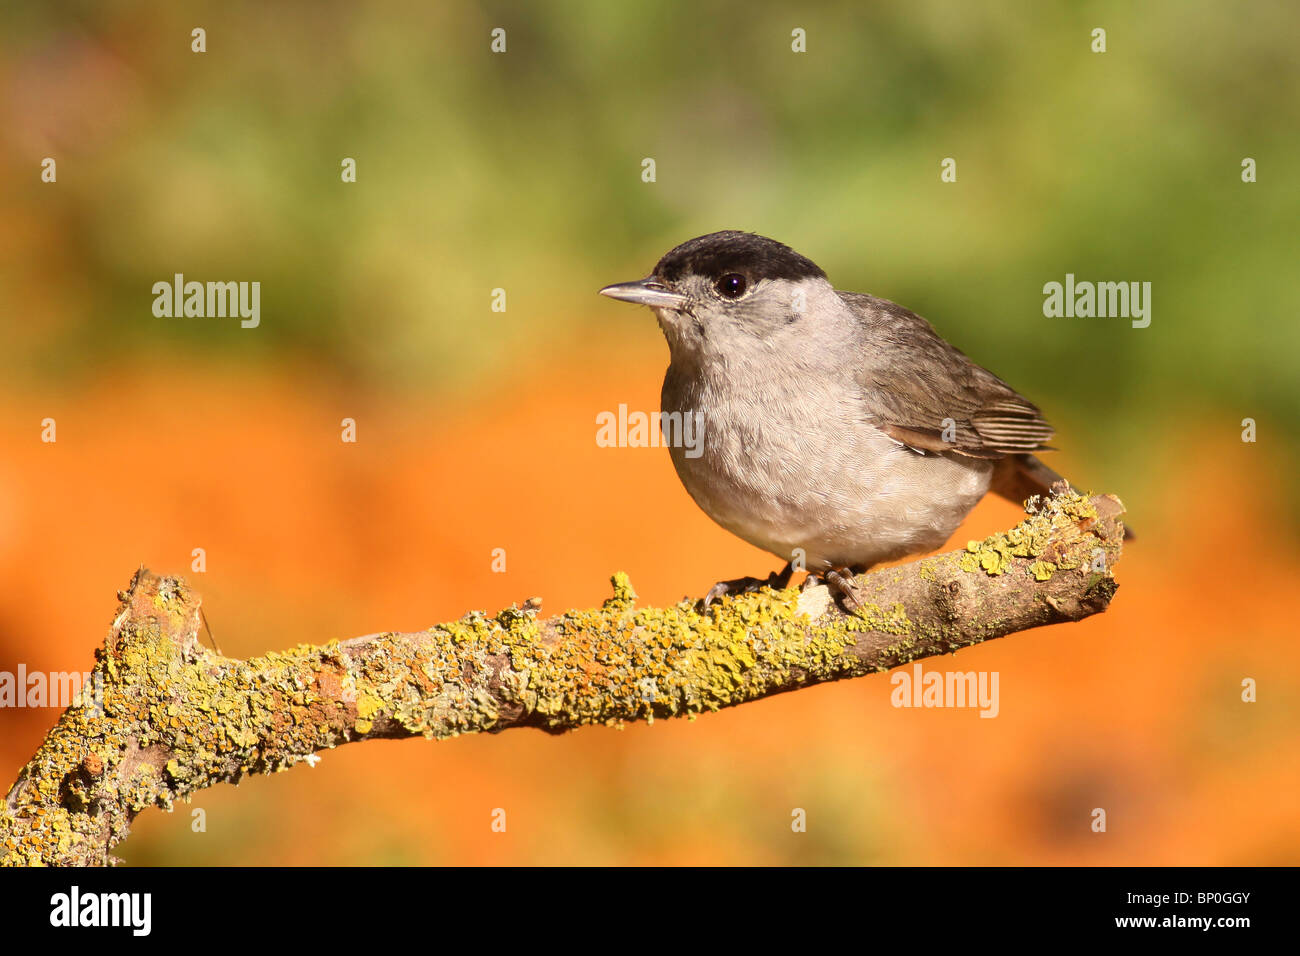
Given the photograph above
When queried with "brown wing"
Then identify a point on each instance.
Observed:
(928, 395)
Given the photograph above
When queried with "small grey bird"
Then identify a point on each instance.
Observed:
(839, 429)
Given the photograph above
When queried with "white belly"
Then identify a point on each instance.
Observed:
(836, 489)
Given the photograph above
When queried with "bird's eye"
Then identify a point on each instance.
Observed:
(731, 286)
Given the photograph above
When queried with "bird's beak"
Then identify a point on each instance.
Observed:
(648, 291)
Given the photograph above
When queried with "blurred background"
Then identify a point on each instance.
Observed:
(476, 429)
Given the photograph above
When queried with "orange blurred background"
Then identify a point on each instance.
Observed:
(308, 539)
(476, 429)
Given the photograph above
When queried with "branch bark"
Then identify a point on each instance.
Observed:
(165, 716)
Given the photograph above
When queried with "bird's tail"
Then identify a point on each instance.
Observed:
(1018, 477)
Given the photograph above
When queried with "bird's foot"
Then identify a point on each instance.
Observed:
(842, 585)
(777, 581)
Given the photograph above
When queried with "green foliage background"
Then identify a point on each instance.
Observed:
(523, 171)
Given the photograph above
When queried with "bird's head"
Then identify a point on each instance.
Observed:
(728, 291)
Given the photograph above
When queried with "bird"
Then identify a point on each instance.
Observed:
(839, 429)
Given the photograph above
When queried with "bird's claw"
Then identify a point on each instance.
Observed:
(842, 585)
(777, 581)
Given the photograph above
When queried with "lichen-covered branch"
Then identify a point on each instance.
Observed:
(165, 716)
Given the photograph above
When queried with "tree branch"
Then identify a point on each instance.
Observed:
(165, 717)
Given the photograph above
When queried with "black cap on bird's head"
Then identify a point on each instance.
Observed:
(719, 256)
(754, 256)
